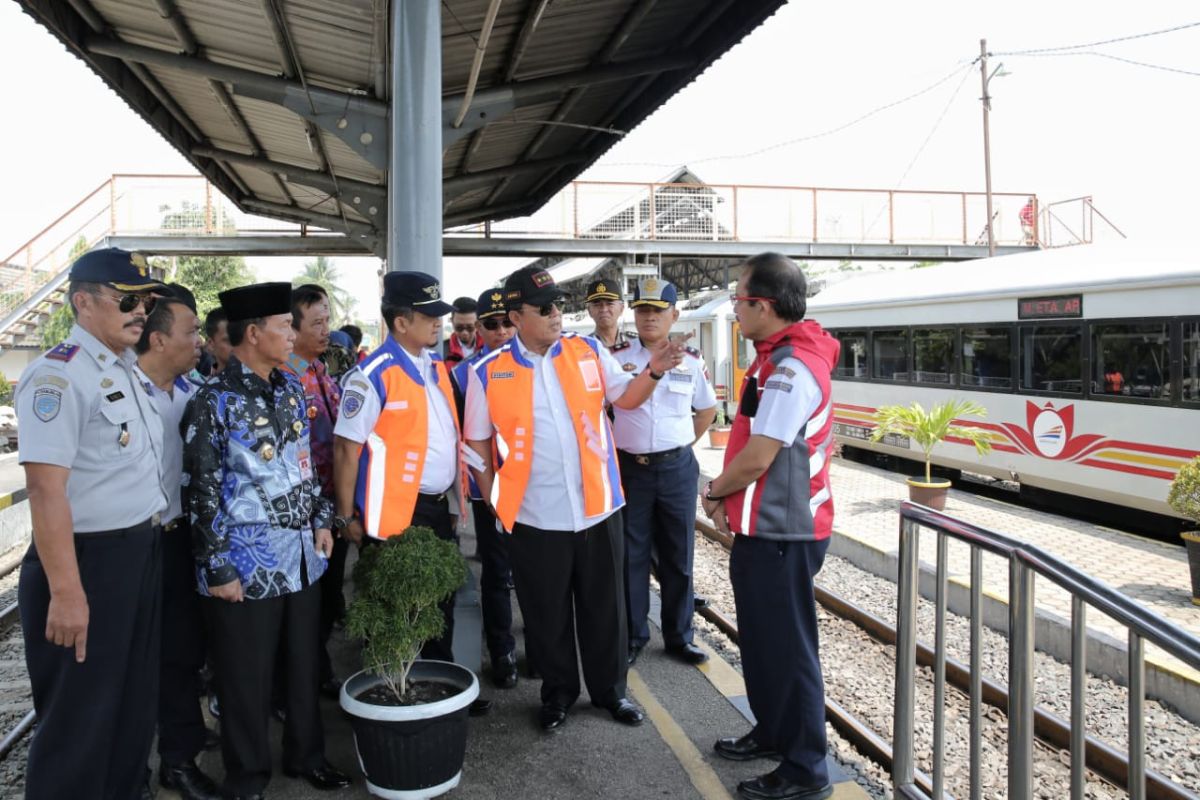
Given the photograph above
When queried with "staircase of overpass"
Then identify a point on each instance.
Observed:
(184, 214)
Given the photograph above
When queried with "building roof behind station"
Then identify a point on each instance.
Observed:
(233, 84)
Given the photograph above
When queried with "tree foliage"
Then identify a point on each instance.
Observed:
(1184, 497)
(62, 319)
(324, 273)
(927, 428)
(208, 276)
(395, 610)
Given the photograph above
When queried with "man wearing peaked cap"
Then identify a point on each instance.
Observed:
(604, 306)
(261, 533)
(654, 443)
(90, 447)
(397, 427)
(545, 462)
(495, 579)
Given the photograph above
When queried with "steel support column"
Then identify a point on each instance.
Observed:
(415, 177)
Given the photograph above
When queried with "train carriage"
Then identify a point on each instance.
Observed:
(1087, 360)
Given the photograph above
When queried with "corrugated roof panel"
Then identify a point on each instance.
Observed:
(195, 96)
(334, 40)
(349, 163)
(262, 184)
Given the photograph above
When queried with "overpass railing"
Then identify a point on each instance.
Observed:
(1025, 563)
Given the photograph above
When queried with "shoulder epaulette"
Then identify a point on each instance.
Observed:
(63, 352)
(619, 346)
(183, 384)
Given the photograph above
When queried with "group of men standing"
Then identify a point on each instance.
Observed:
(158, 503)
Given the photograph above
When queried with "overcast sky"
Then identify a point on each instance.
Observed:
(1062, 125)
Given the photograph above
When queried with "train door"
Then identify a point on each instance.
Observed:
(741, 354)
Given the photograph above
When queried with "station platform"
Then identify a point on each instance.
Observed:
(1155, 574)
(669, 755)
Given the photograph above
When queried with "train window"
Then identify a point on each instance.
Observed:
(853, 361)
(1051, 359)
(933, 356)
(889, 355)
(987, 358)
(1191, 361)
(1131, 360)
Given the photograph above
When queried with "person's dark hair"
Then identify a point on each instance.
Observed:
(80, 286)
(390, 312)
(183, 294)
(354, 332)
(465, 305)
(776, 276)
(213, 320)
(160, 320)
(303, 297)
(237, 330)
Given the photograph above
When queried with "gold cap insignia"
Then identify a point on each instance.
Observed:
(432, 291)
(650, 285)
(497, 297)
(139, 262)
(600, 287)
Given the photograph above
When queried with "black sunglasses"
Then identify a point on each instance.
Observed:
(494, 324)
(464, 328)
(128, 302)
(548, 309)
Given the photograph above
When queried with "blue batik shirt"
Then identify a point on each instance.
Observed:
(248, 479)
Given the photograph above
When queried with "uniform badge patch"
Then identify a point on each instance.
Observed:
(63, 352)
(47, 402)
(51, 380)
(352, 403)
(106, 383)
(113, 397)
(628, 366)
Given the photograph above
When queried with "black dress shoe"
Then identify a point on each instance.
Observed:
(504, 671)
(331, 689)
(635, 650)
(479, 707)
(742, 748)
(773, 786)
(189, 781)
(699, 601)
(323, 778)
(624, 712)
(688, 653)
(552, 716)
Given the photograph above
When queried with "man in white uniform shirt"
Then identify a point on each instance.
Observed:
(659, 471)
(542, 398)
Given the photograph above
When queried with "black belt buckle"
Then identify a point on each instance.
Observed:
(643, 459)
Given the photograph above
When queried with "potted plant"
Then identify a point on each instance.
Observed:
(718, 433)
(1184, 499)
(927, 428)
(409, 716)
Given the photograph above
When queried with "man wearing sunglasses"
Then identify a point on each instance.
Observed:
(464, 340)
(774, 494)
(495, 579)
(90, 588)
(554, 483)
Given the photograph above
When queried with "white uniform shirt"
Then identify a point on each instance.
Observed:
(789, 399)
(663, 422)
(441, 449)
(76, 405)
(554, 495)
(170, 407)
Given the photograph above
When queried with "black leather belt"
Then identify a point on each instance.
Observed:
(646, 459)
(432, 498)
(173, 525)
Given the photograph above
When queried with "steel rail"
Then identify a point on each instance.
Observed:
(1053, 730)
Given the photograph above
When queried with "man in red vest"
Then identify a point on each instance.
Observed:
(774, 495)
(539, 401)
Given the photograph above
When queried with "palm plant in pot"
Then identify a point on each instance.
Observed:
(928, 428)
(718, 432)
(1184, 499)
(409, 716)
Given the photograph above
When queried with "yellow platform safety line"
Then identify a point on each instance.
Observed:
(702, 776)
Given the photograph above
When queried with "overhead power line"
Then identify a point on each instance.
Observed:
(1131, 37)
(1121, 59)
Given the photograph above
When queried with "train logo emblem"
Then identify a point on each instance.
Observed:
(1049, 432)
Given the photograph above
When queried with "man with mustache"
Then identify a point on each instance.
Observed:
(604, 306)
(90, 589)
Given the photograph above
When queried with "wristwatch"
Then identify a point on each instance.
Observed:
(341, 523)
(654, 376)
(708, 493)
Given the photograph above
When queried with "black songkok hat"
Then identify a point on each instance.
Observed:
(257, 300)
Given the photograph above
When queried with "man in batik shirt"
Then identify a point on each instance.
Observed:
(310, 319)
(261, 540)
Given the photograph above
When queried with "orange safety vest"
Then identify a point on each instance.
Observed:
(507, 380)
(392, 459)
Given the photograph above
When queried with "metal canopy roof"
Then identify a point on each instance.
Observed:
(283, 104)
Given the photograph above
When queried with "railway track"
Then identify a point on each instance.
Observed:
(16, 705)
(1108, 766)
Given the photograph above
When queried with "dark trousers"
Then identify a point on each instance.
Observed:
(777, 626)
(495, 576)
(660, 515)
(333, 602)
(96, 719)
(244, 638)
(433, 511)
(181, 729)
(568, 584)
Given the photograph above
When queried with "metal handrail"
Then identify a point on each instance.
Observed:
(1025, 561)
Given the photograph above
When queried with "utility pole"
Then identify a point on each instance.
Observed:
(987, 147)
